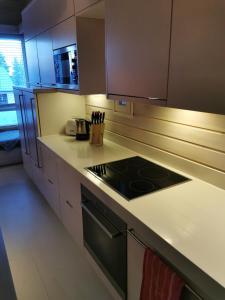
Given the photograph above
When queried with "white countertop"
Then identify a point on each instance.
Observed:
(189, 216)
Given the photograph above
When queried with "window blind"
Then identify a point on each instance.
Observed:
(12, 72)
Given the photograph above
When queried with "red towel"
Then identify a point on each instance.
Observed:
(159, 281)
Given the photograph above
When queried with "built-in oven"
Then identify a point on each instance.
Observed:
(105, 237)
(66, 67)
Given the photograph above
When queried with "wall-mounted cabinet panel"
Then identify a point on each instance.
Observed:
(32, 61)
(60, 10)
(41, 15)
(89, 35)
(197, 67)
(137, 47)
(64, 34)
(45, 57)
(36, 18)
(91, 55)
(96, 10)
(83, 4)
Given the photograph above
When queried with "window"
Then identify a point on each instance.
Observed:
(3, 99)
(12, 72)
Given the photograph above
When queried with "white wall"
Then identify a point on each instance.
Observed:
(56, 108)
(191, 141)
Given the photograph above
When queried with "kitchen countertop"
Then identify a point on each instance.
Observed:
(36, 89)
(46, 89)
(189, 216)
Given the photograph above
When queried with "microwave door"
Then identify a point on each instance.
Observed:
(66, 67)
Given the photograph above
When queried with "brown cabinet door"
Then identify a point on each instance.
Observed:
(197, 66)
(137, 47)
(60, 10)
(64, 34)
(83, 4)
(41, 15)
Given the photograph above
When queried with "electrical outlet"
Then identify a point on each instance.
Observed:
(123, 107)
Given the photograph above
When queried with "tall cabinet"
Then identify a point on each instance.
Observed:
(28, 127)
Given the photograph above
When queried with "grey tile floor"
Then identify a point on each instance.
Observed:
(45, 262)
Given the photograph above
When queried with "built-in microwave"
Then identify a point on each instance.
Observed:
(66, 67)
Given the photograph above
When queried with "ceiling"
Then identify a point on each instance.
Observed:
(10, 11)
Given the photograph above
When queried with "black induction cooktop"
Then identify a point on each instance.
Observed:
(135, 176)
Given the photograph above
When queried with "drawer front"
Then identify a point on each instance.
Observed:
(69, 185)
(72, 220)
(27, 164)
(49, 163)
(52, 196)
(38, 178)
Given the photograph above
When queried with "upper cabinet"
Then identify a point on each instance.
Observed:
(32, 62)
(64, 34)
(91, 55)
(60, 10)
(89, 35)
(41, 15)
(45, 58)
(137, 47)
(197, 67)
(83, 4)
(32, 23)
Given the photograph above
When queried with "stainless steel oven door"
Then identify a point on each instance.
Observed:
(106, 242)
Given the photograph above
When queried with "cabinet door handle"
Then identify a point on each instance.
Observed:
(38, 166)
(50, 181)
(156, 98)
(33, 111)
(23, 123)
(69, 204)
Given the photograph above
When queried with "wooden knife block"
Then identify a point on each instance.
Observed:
(96, 134)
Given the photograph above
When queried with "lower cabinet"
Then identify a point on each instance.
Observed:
(135, 256)
(51, 194)
(72, 220)
(28, 164)
(70, 201)
(59, 184)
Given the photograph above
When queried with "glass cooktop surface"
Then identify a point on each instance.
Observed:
(135, 176)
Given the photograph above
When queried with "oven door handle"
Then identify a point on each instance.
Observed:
(105, 225)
